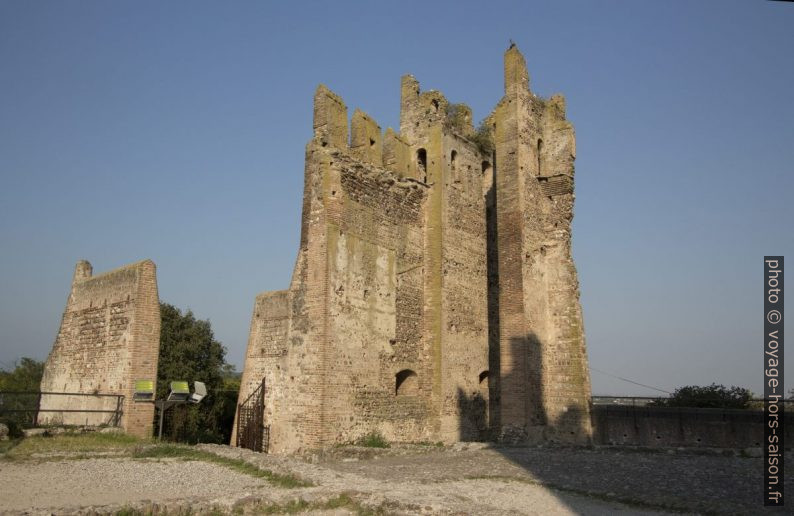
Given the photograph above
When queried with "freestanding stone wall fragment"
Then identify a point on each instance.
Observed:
(434, 297)
(109, 338)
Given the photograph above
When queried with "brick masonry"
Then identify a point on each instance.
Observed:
(434, 297)
(109, 338)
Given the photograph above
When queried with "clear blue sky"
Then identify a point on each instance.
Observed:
(175, 131)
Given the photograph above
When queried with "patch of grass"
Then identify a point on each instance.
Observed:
(291, 507)
(373, 440)
(6, 446)
(171, 451)
(71, 444)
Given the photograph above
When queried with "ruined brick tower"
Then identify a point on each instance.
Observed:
(109, 338)
(434, 297)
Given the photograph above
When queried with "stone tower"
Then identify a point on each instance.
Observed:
(434, 297)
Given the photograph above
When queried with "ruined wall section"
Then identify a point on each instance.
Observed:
(464, 292)
(295, 381)
(266, 353)
(455, 279)
(544, 377)
(109, 337)
(348, 323)
(551, 281)
(375, 260)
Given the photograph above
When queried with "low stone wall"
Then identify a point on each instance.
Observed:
(689, 427)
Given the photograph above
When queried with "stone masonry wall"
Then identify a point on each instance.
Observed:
(545, 384)
(434, 297)
(109, 338)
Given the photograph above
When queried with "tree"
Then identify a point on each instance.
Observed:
(189, 352)
(26, 376)
(710, 396)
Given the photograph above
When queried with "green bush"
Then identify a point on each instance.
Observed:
(710, 396)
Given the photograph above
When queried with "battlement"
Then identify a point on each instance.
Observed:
(364, 140)
(409, 154)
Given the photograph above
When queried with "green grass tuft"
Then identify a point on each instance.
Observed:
(171, 451)
(373, 440)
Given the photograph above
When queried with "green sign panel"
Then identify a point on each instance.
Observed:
(180, 388)
(144, 386)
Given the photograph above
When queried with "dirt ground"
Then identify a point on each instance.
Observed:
(468, 479)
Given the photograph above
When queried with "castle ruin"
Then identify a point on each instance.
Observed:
(109, 338)
(434, 296)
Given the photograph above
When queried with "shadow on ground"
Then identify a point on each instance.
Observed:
(703, 480)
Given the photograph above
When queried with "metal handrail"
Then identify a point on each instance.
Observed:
(65, 393)
(32, 406)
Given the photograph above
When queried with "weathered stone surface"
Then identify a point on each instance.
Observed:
(434, 297)
(109, 338)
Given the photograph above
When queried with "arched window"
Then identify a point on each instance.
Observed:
(406, 383)
(421, 163)
(484, 392)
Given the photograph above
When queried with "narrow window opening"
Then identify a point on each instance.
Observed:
(421, 162)
(371, 142)
(406, 383)
(540, 149)
(452, 158)
(435, 104)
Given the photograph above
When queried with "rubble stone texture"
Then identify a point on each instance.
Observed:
(434, 297)
(109, 338)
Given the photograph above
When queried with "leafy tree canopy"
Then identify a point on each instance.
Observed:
(26, 376)
(189, 352)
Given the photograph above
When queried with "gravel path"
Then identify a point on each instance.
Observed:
(419, 480)
(68, 485)
(446, 494)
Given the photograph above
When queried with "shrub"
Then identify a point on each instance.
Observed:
(710, 396)
(458, 116)
(483, 138)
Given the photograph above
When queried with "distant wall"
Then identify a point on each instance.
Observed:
(674, 427)
(109, 338)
